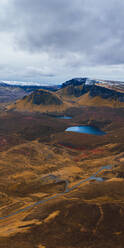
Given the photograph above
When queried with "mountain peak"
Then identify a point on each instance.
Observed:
(75, 82)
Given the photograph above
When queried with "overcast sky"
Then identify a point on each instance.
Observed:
(50, 41)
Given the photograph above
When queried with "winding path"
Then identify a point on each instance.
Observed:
(67, 190)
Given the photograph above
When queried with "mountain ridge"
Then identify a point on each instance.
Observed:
(74, 92)
(79, 87)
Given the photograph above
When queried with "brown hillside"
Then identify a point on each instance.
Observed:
(41, 101)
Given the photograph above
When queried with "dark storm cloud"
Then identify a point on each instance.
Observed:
(90, 27)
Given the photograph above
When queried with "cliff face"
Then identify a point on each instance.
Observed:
(103, 93)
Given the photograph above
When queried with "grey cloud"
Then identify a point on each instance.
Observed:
(33, 72)
(80, 32)
(62, 27)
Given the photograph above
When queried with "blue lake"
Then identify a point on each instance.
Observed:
(85, 129)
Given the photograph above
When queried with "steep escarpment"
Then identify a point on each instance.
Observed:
(103, 92)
